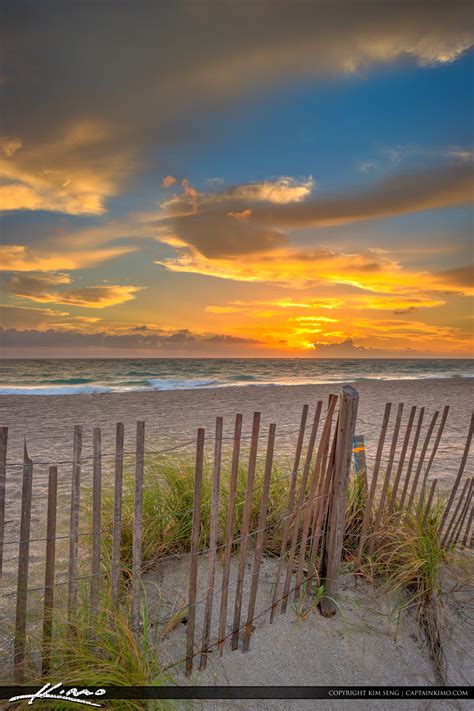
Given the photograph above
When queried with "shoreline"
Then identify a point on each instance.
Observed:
(97, 389)
(172, 416)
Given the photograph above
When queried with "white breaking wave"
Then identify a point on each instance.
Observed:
(170, 384)
(56, 390)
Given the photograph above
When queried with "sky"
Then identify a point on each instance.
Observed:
(238, 178)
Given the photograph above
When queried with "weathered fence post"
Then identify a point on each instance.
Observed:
(137, 527)
(117, 529)
(23, 562)
(96, 523)
(333, 551)
(216, 489)
(234, 473)
(245, 530)
(457, 481)
(260, 537)
(3, 484)
(194, 551)
(49, 571)
(74, 523)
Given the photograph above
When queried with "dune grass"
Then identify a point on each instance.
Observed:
(408, 558)
(103, 651)
(167, 511)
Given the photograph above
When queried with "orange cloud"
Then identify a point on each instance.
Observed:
(48, 288)
(26, 259)
(68, 174)
(168, 181)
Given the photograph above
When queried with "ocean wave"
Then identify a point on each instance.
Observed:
(191, 384)
(56, 390)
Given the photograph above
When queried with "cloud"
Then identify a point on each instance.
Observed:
(227, 224)
(177, 341)
(215, 236)
(459, 277)
(446, 185)
(22, 258)
(267, 262)
(168, 181)
(278, 192)
(85, 119)
(70, 173)
(48, 288)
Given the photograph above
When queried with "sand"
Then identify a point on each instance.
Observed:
(47, 421)
(371, 641)
(288, 652)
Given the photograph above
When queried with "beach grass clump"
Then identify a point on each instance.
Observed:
(101, 650)
(167, 511)
(354, 515)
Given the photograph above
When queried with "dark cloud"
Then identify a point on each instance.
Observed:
(48, 287)
(88, 87)
(441, 186)
(220, 235)
(345, 349)
(237, 226)
(11, 338)
(460, 276)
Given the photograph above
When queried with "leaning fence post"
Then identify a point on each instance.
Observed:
(96, 518)
(137, 527)
(468, 530)
(234, 473)
(23, 560)
(445, 539)
(458, 476)
(49, 572)
(3, 483)
(194, 551)
(216, 489)
(117, 529)
(333, 551)
(244, 530)
(74, 523)
(260, 537)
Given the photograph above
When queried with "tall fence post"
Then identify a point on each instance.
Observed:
(49, 569)
(74, 523)
(138, 527)
(216, 490)
(3, 484)
(96, 522)
(193, 571)
(23, 563)
(117, 527)
(333, 552)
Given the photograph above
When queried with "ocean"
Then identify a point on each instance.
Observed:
(71, 376)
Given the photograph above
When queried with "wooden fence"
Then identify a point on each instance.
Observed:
(313, 523)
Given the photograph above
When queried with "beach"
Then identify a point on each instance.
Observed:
(172, 417)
